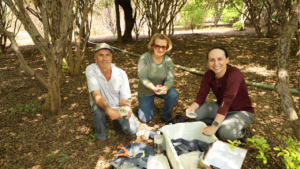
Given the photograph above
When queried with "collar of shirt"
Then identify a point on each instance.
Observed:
(114, 72)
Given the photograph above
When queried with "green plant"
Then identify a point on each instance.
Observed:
(264, 33)
(65, 68)
(290, 154)
(85, 142)
(53, 155)
(237, 25)
(112, 133)
(93, 136)
(31, 107)
(263, 147)
(234, 143)
(192, 14)
(63, 158)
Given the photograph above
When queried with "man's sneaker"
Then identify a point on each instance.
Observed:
(101, 144)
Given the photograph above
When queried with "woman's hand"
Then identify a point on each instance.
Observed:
(210, 130)
(164, 91)
(190, 109)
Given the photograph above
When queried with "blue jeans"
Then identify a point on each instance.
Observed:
(146, 104)
(128, 126)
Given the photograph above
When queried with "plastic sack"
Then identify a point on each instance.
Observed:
(191, 159)
(158, 162)
(128, 165)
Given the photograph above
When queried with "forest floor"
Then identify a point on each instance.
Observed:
(40, 140)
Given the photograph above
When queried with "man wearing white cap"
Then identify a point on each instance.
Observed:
(109, 90)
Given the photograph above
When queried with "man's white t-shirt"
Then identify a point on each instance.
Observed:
(114, 89)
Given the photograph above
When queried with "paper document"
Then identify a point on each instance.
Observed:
(220, 155)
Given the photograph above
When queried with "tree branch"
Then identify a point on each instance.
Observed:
(23, 64)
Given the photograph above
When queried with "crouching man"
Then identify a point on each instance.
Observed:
(109, 90)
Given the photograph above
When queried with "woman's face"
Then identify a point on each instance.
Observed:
(160, 47)
(217, 62)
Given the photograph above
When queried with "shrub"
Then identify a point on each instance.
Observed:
(237, 25)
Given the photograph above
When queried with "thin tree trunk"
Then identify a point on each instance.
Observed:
(282, 85)
(23, 63)
(54, 86)
(119, 32)
(129, 20)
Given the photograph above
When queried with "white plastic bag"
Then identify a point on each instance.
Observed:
(190, 160)
(158, 162)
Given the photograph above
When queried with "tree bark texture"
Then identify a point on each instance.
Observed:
(262, 10)
(219, 6)
(139, 18)
(129, 20)
(160, 13)
(7, 20)
(282, 85)
(57, 19)
(119, 31)
(81, 31)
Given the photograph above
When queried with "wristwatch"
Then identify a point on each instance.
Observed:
(215, 123)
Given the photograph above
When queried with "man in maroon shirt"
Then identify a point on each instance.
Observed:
(233, 112)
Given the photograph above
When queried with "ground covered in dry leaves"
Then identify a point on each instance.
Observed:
(40, 140)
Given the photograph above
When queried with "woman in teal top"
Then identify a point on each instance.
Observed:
(156, 68)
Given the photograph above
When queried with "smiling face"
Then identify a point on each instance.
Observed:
(159, 51)
(217, 62)
(103, 57)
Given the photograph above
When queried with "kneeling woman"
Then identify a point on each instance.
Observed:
(232, 113)
(156, 68)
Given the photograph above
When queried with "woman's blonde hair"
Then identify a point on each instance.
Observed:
(160, 36)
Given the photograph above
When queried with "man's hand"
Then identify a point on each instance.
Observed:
(210, 130)
(113, 114)
(125, 102)
(129, 112)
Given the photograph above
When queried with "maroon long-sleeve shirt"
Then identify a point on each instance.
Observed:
(230, 90)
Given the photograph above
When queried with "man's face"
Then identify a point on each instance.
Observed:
(103, 57)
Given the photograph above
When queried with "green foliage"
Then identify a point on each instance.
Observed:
(230, 12)
(112, 133)
(237, 25)
(101, 5)
(85, 142)
(290, 153)
(29, 107)
(262, 146)
(63, 158)
(93, 136)
(65, 68)
(234, 143)
(192, 14)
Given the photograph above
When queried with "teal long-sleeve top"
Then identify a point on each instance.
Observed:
(150, 72)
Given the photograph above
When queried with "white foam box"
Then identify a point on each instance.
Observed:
(188, 131)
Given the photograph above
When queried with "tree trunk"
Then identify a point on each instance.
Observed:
(298, 54)
(54, 85)
(129, 20)
(119, 32)
(56, 18)
(282, 85)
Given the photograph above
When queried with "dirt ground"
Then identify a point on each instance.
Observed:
(41, 140)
